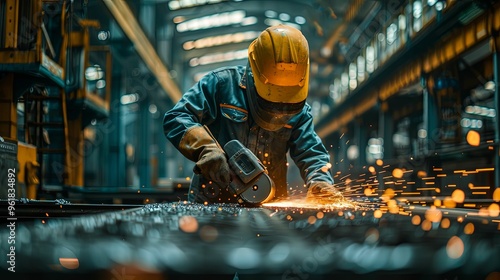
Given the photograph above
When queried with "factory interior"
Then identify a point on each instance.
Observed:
(404, 95)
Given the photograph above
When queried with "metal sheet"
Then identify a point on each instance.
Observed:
(170, 240)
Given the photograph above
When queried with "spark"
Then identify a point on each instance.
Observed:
(301, 203)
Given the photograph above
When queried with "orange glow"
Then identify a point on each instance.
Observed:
(188, 224)
(484, 212)
(496, 195)
(208, 233)
(421, 174)
(397, 173)
(493, 276)
(313, 204)
(379, 162)
(372, 235)
(494, 210)
(377, 214)
(69, 263)
(437, 202)
(426, 225)
(458, 196)
(445, 223)
(433, 214)
(473, 138)
(326, 167)
(311, 220)
(415, 220)
(455, 247)
(469, 228)
(320, 215)
(393, 206)
(485, 169)
(389, 193)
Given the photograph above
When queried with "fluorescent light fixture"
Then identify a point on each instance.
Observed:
(273, 22)
(129, 98)
(213, 41)
(211, 21)
(181, 4)
(218, 57)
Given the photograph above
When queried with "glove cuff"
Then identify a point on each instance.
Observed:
(194, 141)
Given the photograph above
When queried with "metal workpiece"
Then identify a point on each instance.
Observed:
(170, 240)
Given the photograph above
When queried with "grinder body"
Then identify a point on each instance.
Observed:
(250, 181)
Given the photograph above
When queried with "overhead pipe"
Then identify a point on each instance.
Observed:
(352, 11)
(131, 27)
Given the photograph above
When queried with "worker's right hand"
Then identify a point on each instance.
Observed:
(323, 191)
(212, 164)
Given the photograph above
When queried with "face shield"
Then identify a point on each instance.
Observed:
(279, 63)
(270, 115)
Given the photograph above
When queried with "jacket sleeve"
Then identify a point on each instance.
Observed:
(197, 107)
(308, 152)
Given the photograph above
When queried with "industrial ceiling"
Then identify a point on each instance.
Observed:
(177, 41)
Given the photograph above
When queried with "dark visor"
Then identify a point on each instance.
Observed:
(280, 108)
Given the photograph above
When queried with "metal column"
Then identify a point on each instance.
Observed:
(496, 72)
(430, 116)
(115, 171)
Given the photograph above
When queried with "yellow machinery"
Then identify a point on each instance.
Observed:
(45, 54)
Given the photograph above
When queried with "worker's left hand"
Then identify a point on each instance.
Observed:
(324, 191)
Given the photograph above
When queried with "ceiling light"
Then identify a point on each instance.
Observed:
(103, 35)
(181, 4)
(211, 21)
(300, 20)
(270, 14)
(220, 40)
(284, 17)
(218, 57)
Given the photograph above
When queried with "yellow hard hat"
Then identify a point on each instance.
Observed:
(279, 59)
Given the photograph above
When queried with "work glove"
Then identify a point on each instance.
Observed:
(210, 161)
(323, 191)
(212, 164)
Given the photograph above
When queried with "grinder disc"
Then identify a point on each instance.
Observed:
(260, 191)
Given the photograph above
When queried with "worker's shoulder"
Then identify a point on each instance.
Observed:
(237, 70)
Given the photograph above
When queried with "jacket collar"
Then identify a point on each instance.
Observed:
(244, 78)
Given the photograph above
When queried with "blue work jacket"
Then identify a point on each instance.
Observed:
(219, 101)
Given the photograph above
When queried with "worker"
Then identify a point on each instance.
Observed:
(263, 105)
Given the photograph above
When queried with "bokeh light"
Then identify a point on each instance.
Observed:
(416, 220)
(455, 247)
(469, 228)
(188, 224)
(458, 196)
(433, 214)
(473, 138)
